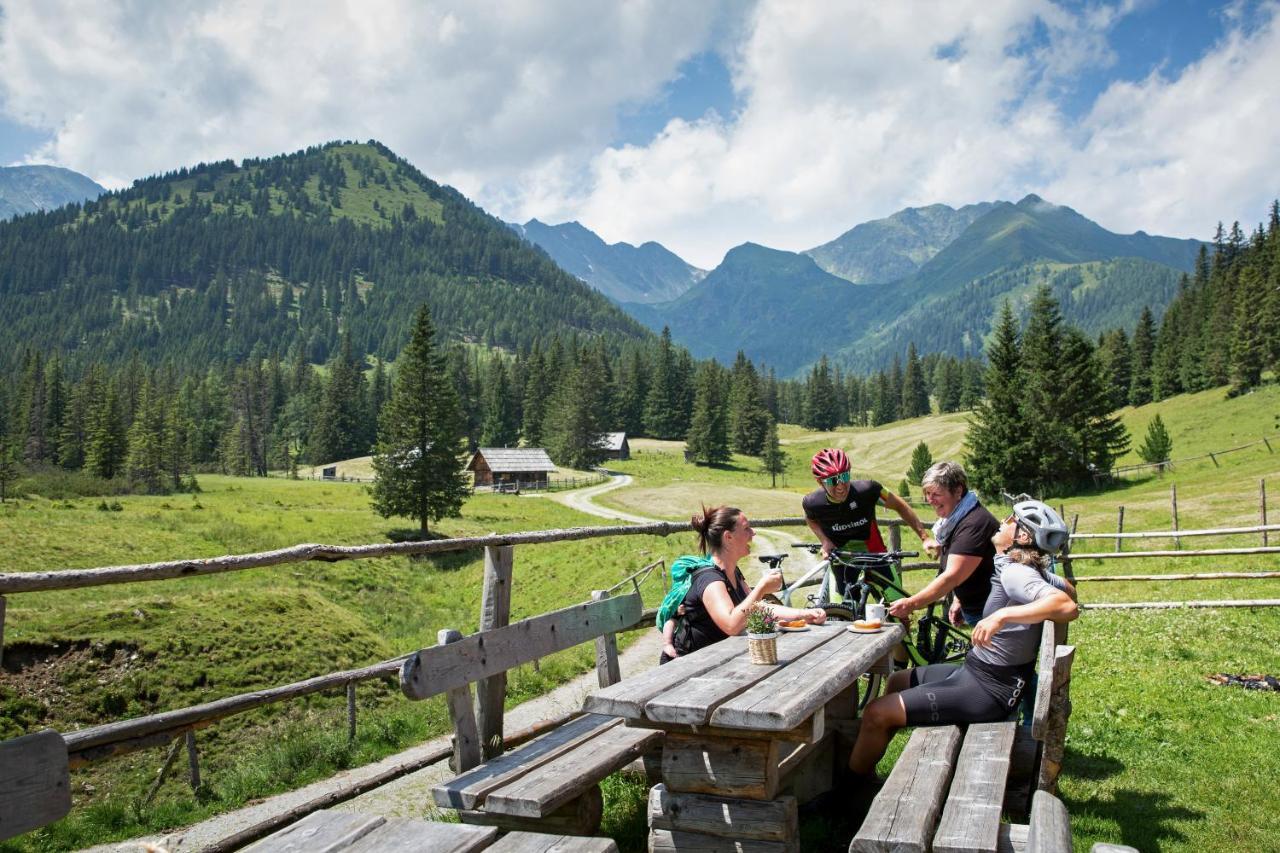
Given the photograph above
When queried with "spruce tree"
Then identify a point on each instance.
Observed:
(915, 395)
(574, 432)
(8, 466)
(536, 392)
(921, 459)
(708, 440)
(1144, 342)
(996, 442)
(416, 465)
(1157, 446)
(1247, 342)
(747, 415)
(772, 460)
(145, 464)
(662, 408)
(105, 442)
(1115, 358)
(1097, 438)
(499, 429)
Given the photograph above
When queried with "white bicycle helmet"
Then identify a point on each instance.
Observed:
(1043, 523)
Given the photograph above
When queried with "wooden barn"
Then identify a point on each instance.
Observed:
(616, 446)
(523, 467)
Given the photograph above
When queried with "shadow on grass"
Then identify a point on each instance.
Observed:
(1142, 816)
(447, 561)
(1092, 767)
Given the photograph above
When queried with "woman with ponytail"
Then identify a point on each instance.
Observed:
(714, 596)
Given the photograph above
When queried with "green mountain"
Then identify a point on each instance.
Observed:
(623, 272)
(774, 305)
(27, 189)
(219, 261)
(889, 249)
(781, 308)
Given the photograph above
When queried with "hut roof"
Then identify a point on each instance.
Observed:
(613, 440)
(513, 460)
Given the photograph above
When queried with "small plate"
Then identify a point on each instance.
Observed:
(853, 630)
(786, 630)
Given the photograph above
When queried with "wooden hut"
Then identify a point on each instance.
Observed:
(521, 467)
(616, 446)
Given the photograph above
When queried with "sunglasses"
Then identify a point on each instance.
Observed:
(836, 479)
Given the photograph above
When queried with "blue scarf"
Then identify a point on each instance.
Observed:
(942, 527)
(681, 577)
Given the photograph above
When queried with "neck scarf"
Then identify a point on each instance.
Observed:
(942, 527)
(681, 577)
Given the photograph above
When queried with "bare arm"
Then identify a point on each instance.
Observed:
(959, 568)
(1055, 607)
(733, 619)
(904, 510)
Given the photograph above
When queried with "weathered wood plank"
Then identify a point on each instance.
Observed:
(552, 784)
(466, 740)
(792, 693)
(537, 842)
(693, 701)
(468, 790)
(1049, 830)
(903, 814)
(1105, 847)
(402, 835)
(1023, 773)
(608, 670)
(35, 783)
(761, 820)
(808, 731)
(664, 840)
(320, 832)
(627, 698)
(495, 612)
(970, 820)
(809, 771)
(1013, 838)
(1044, 671)
(579, 816)
(436, 669)
(1055, 727)
(744, 768)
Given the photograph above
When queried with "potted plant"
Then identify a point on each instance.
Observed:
(762, 635)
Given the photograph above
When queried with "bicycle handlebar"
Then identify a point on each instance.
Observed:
(854, 557)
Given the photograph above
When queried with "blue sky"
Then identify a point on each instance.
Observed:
(699, 125)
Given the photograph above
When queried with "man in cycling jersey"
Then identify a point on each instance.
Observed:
(842, 511)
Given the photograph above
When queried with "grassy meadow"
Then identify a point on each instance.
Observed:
(1158, 757)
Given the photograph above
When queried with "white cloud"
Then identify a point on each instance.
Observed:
(472, 92)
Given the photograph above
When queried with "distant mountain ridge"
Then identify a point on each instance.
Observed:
(623, 272)
(890, 249)
(782, 308)
(27, 189)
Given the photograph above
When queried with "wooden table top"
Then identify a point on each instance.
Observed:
(720, 686)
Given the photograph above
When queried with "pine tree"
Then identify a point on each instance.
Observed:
(338, 429)
(1048, 444)
(418, 473)
(536, 392)
(773, 460)
(708, 440)
(921, 459)
(1247, 343)
(820, 409)
(499, 428)
(105, 442)
(662, 408)
(1157, 446)
(915, 396)
(1144, 341)
(574, 433)
(749, 421)
(1116, 360)
(1097, 438)
(8, 466)
(145, 463)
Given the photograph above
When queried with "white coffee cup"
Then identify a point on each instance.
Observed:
(875, 612)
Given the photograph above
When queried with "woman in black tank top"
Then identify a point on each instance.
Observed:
(719, 599)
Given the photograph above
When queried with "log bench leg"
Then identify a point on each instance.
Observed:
(579, 816)
(743, 768)
(707, 824)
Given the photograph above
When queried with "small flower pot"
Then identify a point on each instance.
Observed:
(763, 648)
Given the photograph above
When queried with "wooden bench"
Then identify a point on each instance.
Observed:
(552, 782)
(35, 782)
(949, 788)
(334, 831)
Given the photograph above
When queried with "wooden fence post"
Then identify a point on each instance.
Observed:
(1120, 529)
(495, 612)
(1215, 461)
(1056, 725)
(466, 743)
(607, 669)
(1, 629)
(1262, 515)
(1173, 502)
(1268, 444)
(164, 771)
(193, 760)
(351, 712)
(895, 537)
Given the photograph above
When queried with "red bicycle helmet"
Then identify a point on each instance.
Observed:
(829, 461)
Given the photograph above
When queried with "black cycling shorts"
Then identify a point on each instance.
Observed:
(943, 693)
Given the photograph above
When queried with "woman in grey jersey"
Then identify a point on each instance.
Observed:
(988, 685)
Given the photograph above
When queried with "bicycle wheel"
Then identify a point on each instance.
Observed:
(839, 613)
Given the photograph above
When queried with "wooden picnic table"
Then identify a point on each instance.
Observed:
(746, 743)
(348, 832)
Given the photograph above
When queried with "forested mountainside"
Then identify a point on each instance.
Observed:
(625, 273)
(1102, 280)
(890, 249)
(213, 263)
(27, 189)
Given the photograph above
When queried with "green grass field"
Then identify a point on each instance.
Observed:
(1158, 757)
